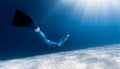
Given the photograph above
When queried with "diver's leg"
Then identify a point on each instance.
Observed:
(42, 35)
(51, 43)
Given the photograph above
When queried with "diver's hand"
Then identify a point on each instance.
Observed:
(68, 35)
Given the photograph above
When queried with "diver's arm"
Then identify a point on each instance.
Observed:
(63, 40)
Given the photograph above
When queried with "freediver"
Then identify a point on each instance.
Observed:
(53, 45)
(23, 20)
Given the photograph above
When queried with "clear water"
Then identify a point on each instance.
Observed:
(89, 26)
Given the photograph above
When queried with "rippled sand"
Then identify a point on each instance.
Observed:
(105, 57)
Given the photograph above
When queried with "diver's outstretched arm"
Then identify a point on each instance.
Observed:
(63, 40)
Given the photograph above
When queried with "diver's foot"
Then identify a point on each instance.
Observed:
(37, 29)
(63, 40)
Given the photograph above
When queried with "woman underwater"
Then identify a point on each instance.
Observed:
(23, 20)
(53, 45)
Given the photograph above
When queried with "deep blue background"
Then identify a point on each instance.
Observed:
(55, 21)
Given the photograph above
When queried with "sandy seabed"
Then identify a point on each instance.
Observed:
(105, 57)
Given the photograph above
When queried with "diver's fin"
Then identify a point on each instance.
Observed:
(22, 20)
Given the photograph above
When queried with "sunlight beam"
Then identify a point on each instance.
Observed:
(94, 10)
(93, 4)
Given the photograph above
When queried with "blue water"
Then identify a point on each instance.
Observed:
(55, 20)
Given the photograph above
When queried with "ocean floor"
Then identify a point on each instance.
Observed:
(104, 57)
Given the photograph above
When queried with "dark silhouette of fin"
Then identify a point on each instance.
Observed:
(22, 20)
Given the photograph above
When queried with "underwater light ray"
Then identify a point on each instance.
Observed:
(93, 4)
(95, 9)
